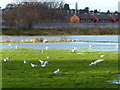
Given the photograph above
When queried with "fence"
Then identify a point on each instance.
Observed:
(75, 25)
(64, 25)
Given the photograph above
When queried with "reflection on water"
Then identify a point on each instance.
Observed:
(80, 46)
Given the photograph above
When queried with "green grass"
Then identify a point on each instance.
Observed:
(75, 71)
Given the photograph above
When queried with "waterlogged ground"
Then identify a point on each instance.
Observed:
(110, 38)
(83, 46)
(75, 71)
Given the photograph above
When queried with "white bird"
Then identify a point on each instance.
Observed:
(5, 60)
(99, 60)
(102, 55)
(46, 62)
(46, 48)
(8, 58)
(57, 71)
(25, 62)
(117, 46)
(16, 47)
(117, 82)
(76, 39)
(45, 40)
(68, 40)
(72, 40)
(42, 62)
(10, 44)
(26, 40)
(95, 62)
(42, 51)
(43, 65)
(92, 63)
(74, 49)
(48, 57)
(90, 46)
(33, 65)
(31, 40)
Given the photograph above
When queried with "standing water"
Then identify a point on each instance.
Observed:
(111, 45)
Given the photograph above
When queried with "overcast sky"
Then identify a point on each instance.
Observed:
(102, 5)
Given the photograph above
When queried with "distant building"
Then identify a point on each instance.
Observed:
(90, 18)
(83, 15)
(74, 19)
(105, 18)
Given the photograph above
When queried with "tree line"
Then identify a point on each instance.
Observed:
(35, 12)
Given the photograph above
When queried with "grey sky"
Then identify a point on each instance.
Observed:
(102, 5)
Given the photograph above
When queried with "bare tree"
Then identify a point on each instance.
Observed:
(35, 12)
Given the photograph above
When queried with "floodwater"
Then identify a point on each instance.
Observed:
(70, 37)
(80, 46)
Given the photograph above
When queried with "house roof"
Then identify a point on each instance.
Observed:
(68, 16)
(103, 16)
(75, 19)
(115, 16)
(90, 16)
(85, 16)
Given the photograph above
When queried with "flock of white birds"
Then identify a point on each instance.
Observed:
(44, 63)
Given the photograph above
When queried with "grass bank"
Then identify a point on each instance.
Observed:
(60, 31)
(75, 71)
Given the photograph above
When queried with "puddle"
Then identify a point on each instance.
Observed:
(114, 81)
(80, 53)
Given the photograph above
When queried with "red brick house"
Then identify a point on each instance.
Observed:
(91, 18)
